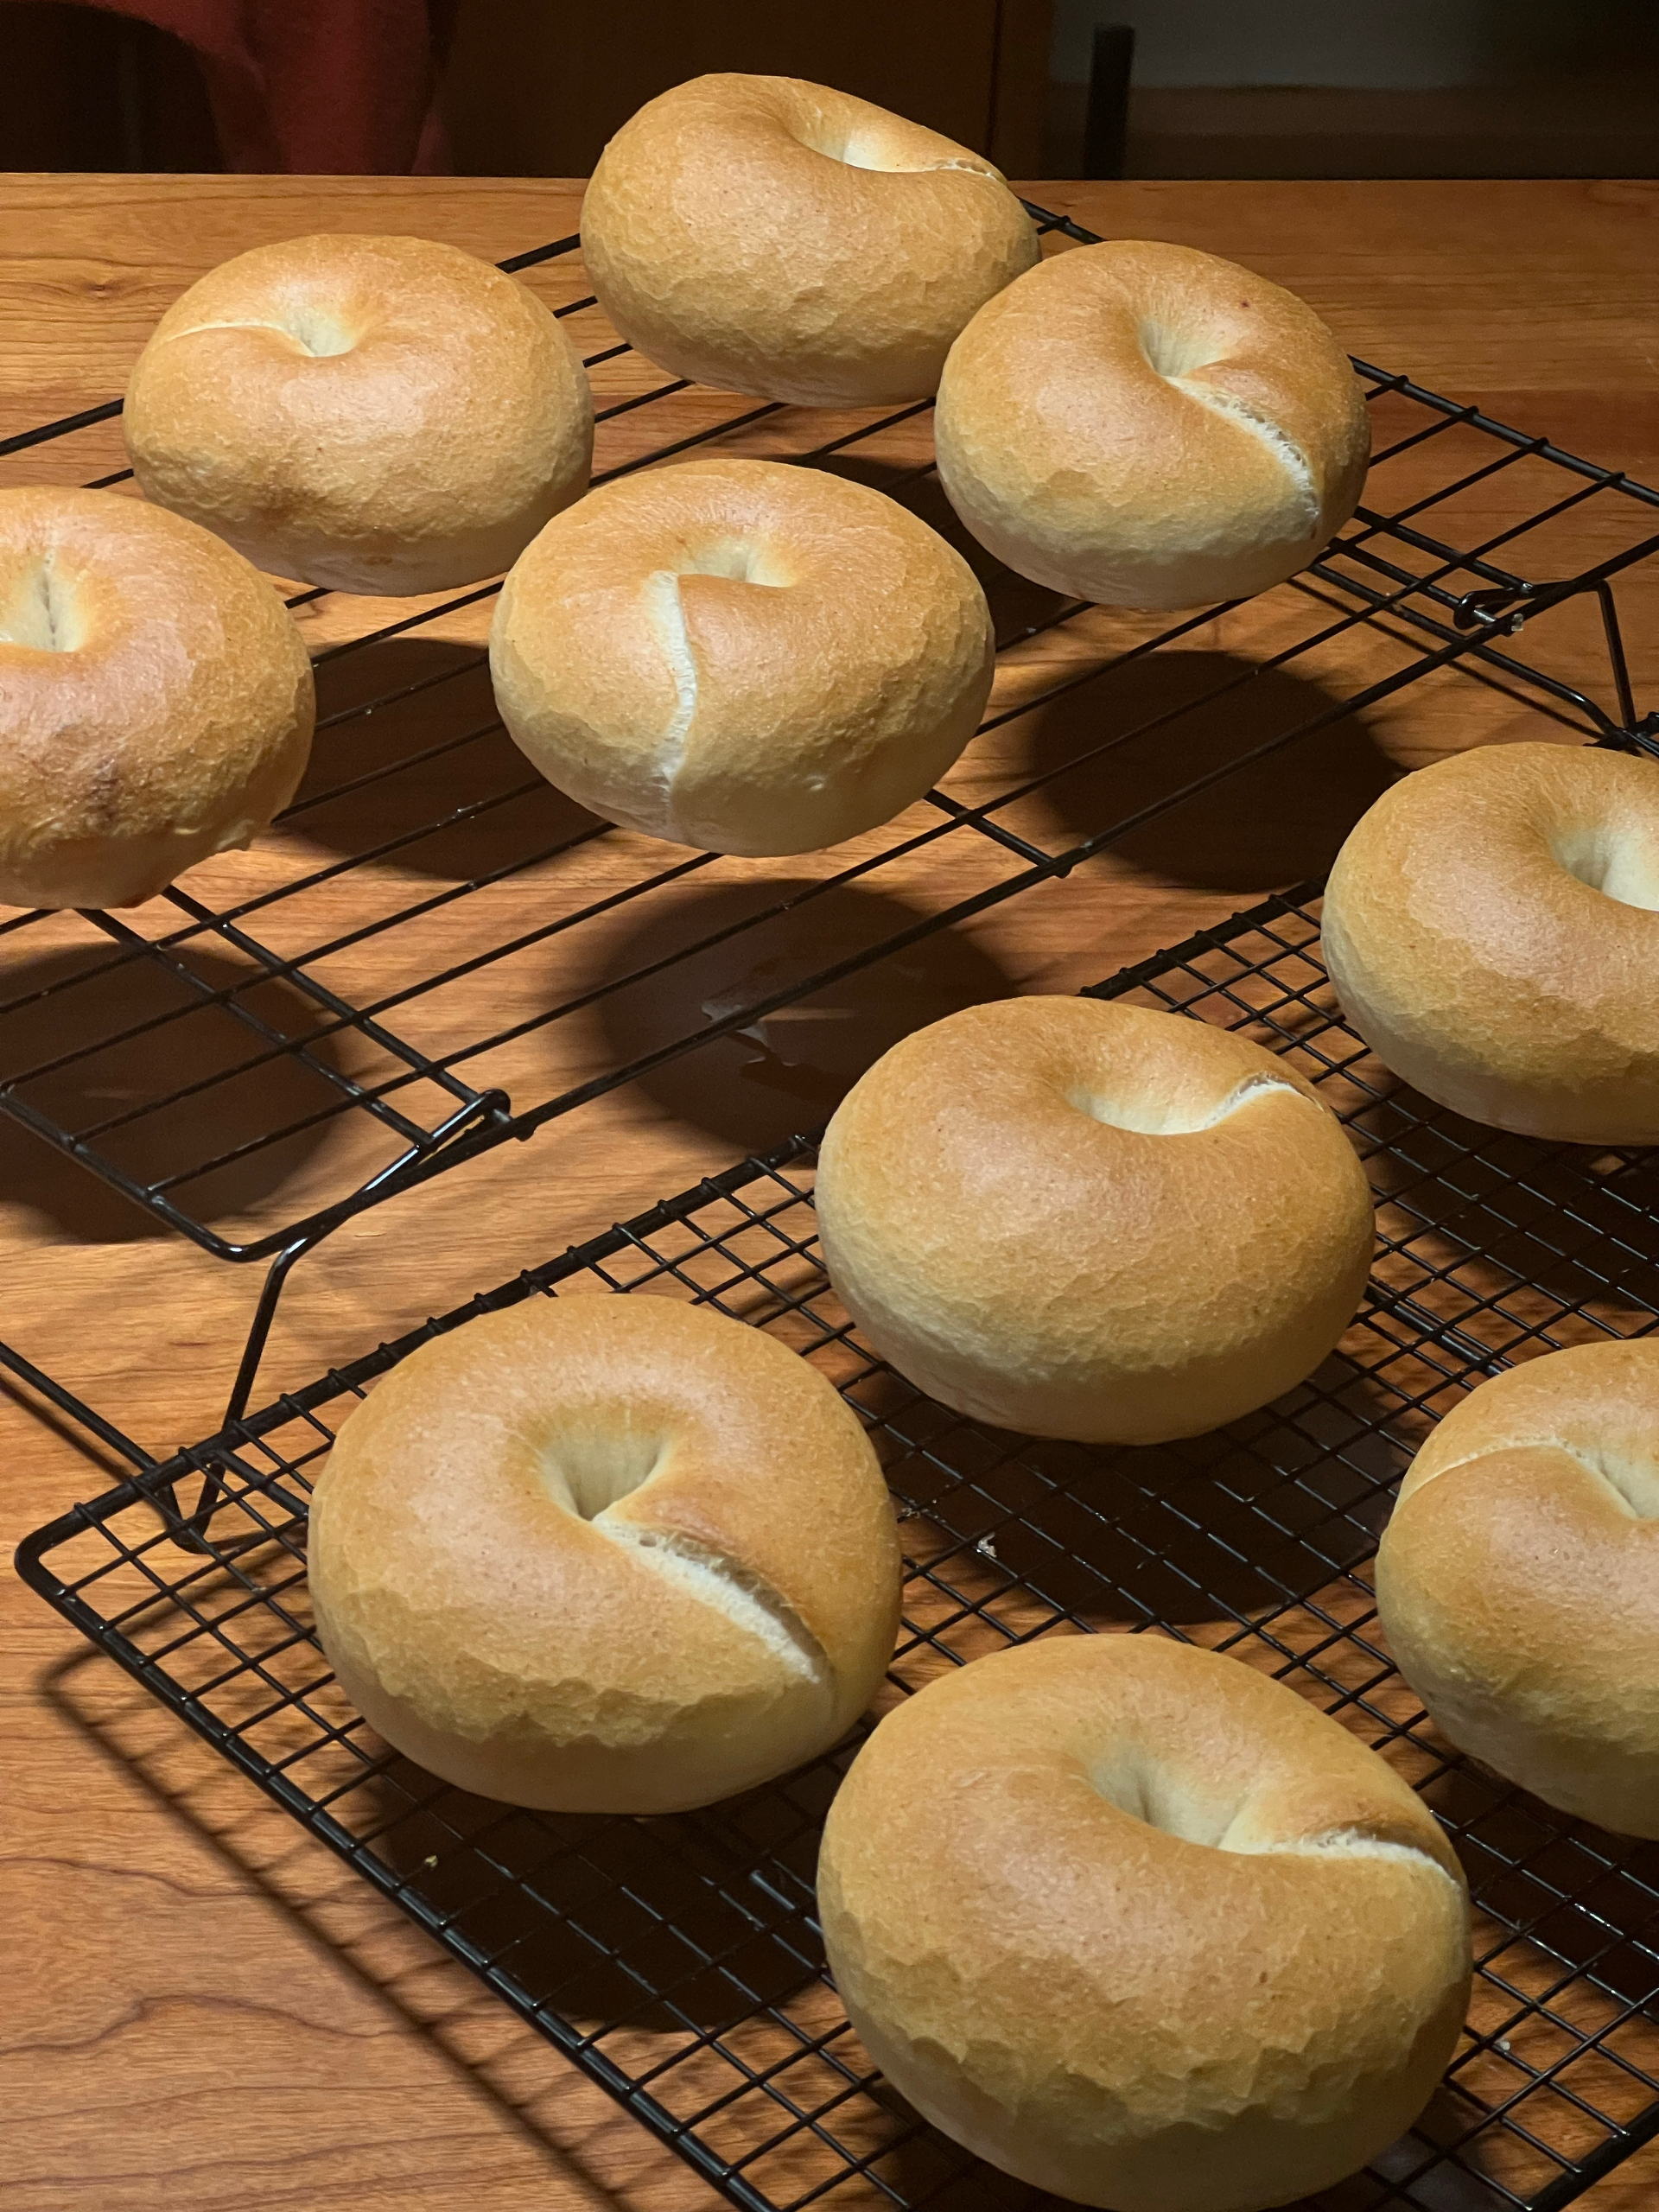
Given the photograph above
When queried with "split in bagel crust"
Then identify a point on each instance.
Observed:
(1079, 1219)
(1145, 425)
(1143, 1927)
(1518, 1580)
(770, 236)
(606, 1554)
(1491, 925)
(155, 693)
(742, 655)
(379, 415)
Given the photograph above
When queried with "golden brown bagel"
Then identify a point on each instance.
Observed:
(1077, 1218)
(742, 655)
(382, 415)
(1490, 928)
(156, 696)
(1518, 1580)
(606, 1554)
(1142, 1927)
(1144, 425)
(778, 238)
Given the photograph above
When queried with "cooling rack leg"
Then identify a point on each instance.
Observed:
(190, 1529)
(1620, 666)
(186, 1530)
(491, 1106)
(259, 1330)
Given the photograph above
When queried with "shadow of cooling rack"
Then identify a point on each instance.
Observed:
(677, 1961)
(188, 1052)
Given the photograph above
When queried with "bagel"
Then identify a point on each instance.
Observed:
(1518, 1580)
(1077, 1218)
(379, 415)
(742, 655)
(605, 1555)
(156, 695)
(1142, 1927)
(1491, 928)
(777, 238)
(1146, 426)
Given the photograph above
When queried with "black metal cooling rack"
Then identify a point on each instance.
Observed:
(190, 1051)
(677, 1961)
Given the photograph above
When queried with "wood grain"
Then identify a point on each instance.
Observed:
(205, 2006)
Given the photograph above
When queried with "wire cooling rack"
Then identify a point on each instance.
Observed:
(677, 1961)
(194, 1051)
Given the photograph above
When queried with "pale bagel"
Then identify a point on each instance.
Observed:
(1492, 928)
(742, 655)
(1142, 1927)
(1079, 1219)
(1518, 1580)
(381, 415)
(606, 1554)
(774, 237)
(1147, 426)
(155, 696)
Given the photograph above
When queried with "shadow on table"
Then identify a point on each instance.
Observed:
(1148, 728)
(173, 1040)
(789, 1069)
(419, 762)
(497, 2057)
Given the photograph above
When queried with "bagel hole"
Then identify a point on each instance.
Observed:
(1159, 1795)
(1153, 1114)
(740, 559)
(845, 147)
(39, 612)
(871, 149)
(1635, 1481)
(852, 156)
(1603, 861)
(1173, 354)
(315, 330)
(586, 1472)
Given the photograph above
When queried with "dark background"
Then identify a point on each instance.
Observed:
(1181, 88)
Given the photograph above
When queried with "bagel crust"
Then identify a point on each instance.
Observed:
(742, 655)
(1077, 1218)
(773, 237)
(380, 415)
(1518, 1580)
(1144, 425)
(1492, 928)
(1142, 1927)
(155, 693)
(606, 1554)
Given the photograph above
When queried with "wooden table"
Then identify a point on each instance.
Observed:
(202, 2007)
